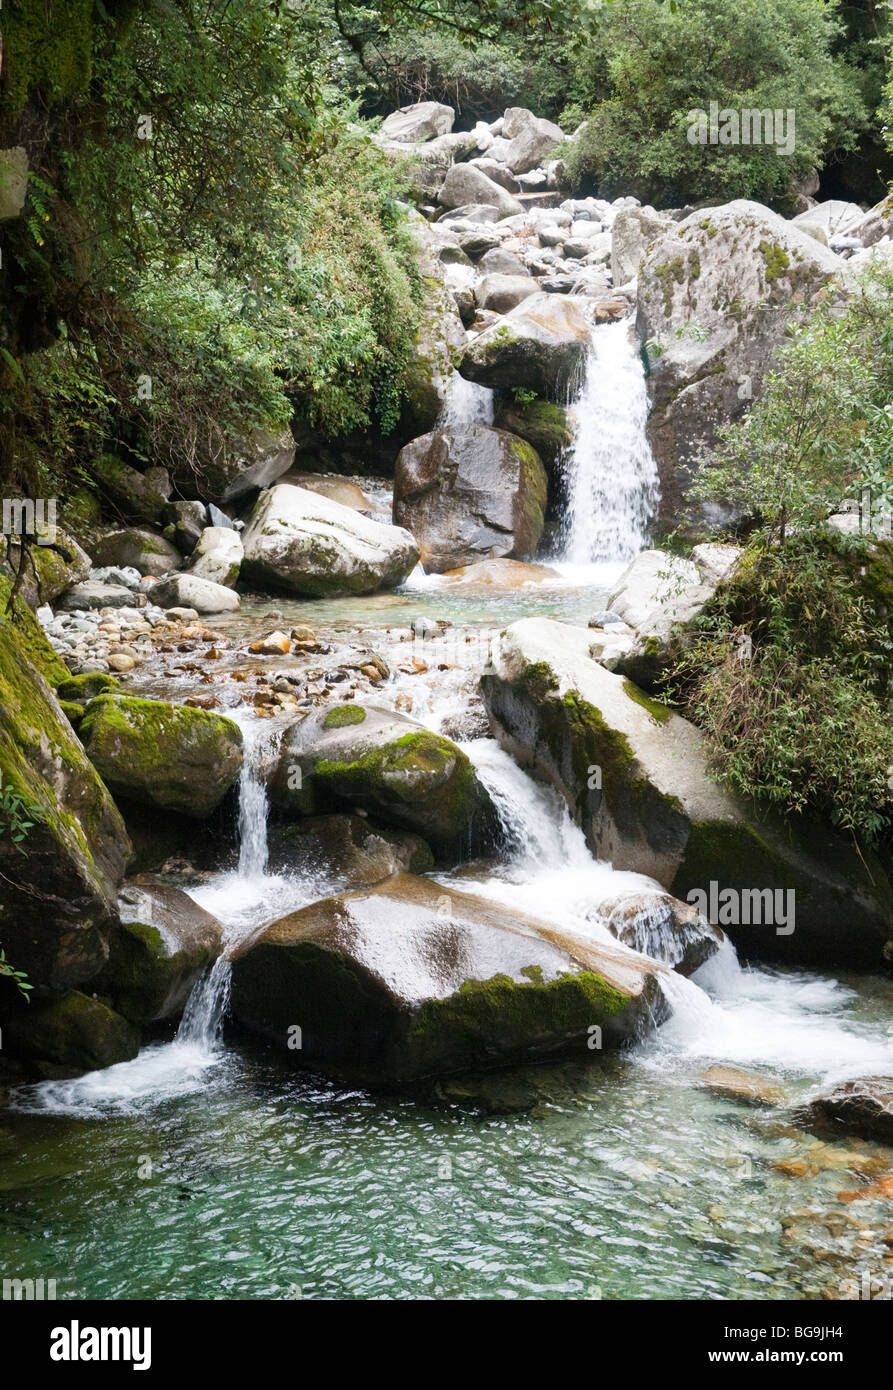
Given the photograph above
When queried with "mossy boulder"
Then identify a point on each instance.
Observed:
(468, 493)
(411, 980)
(140, 496)
(638, 784)
(47, 573)
(73, 1034)
(59, 885)
(539, 345)
(86, 686)
(439, 340)
(173, 757)
(163, 945)
(346, 851)
(139, 549)
(391, 767)
(544, 424)
(309, 544)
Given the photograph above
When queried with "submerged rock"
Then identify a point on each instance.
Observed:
(748, 1086)
(538, 345)
(358, 755)
(412, 980)
(635, 777)
(64, 846)
(863, 1107)
(164, 943)
(169, 756)
(470, 492)
(660, 926)
(312, 545)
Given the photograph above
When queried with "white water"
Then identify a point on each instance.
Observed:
(610, 473)
(466, 404)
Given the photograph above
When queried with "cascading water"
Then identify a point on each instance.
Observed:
(610, 475)
(466, 404)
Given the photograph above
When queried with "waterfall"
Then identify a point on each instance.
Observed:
(466, 404)
(609, 471)
(243, 891)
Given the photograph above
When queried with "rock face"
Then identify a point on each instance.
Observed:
(47, 574)
(635, 777)
(863, 1107)
(141, 550)
(346, 850)
(169, 756)
(422, 121)
(716, 293)
(164, 943)
(194, 591)
(440, 338)
(357, 755)
(311, 545)
(633, 231)
(218, 556)
(410, 980)
(538, 345)
(466, 184)
(470, 493)
(60, 882)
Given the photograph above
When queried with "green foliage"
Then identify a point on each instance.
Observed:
(822, 428)
(787, 672)
(17, 816)
(653, 62)
(19, 976)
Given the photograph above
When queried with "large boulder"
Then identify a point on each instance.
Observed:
(309, 544)
(830, 219)
(194, 591)
(716, 294)
(439, 340)
(46, 573)
(633, 231)
(92, 594)
(466, 184)
(138, 549)
(163, 945)
(636, 777)
(424, 120)
(345, 850)
(70, 1035)
(172, 757)
(499, 292)
(141, 496)
(186, 521)
(411, 980)
(218, 556)
(60, 873)
(245, 466)
(532, 139)
(539, 345)
(470, 492)
(354, 755)
(660, 926)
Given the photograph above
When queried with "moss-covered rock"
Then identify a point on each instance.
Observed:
(139, 549)
(47, 573)
(640, 788)
(440, 338)
(85, 687)
(59, 885)
(414, 980)
(164, 943)
(470, 493)
(170, 756)
(543, 424)
(141, 496)
(75, 1033)
(539, 346)
(393, 768)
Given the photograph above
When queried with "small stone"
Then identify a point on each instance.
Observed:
(274, 644)
(118, 661)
